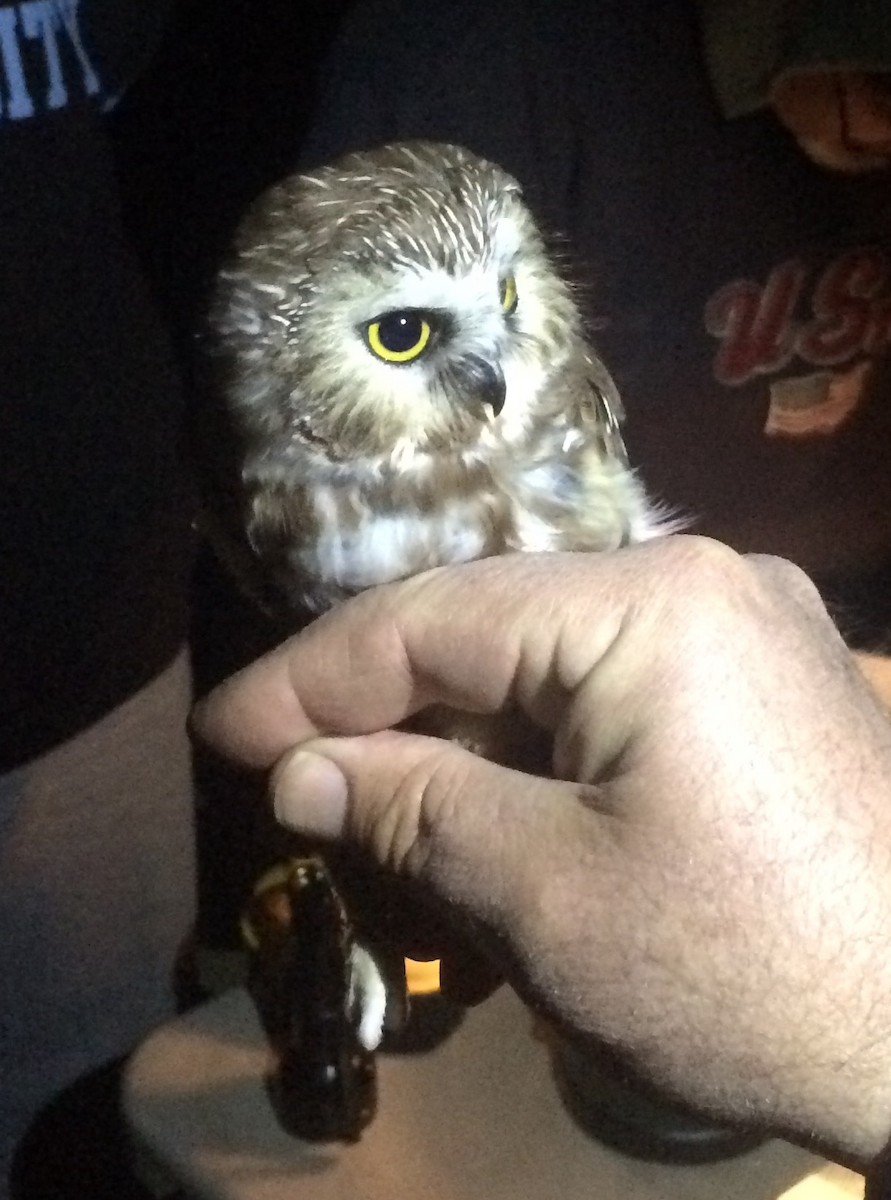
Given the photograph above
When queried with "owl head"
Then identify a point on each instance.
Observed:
(396, 301)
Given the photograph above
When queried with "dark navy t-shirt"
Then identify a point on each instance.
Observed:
(93, 516)
(739, 294)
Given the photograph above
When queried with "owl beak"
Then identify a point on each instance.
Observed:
(484, 382)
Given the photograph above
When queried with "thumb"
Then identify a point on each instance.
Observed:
(477, 834)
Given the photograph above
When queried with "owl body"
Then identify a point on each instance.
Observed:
(406, 384)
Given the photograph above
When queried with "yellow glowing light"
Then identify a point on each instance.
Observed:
(422, 978)
(831, 1182)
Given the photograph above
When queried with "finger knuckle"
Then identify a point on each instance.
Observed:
(413, 824)
(711, 584)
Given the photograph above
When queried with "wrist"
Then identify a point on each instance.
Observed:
(843, 1081)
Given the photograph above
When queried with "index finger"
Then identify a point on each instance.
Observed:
(473, 637)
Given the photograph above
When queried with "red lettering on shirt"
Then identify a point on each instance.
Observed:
(760, 329)
(755, 324)
(844, 308)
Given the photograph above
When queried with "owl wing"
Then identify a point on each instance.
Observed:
(601, 412)
(605, 503)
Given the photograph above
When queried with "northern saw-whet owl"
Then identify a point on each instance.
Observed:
(402, 380)
(406, 382)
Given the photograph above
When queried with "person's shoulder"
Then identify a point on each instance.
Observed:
(482, 75)
(438, 33)
(416, 17)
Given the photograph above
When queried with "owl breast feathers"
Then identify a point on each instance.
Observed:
(400, 379)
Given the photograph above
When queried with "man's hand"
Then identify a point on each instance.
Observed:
(706, 884)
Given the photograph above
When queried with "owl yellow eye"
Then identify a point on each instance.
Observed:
(398, 337)
(507, 293)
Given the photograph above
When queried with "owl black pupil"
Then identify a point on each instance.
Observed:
(400, 332)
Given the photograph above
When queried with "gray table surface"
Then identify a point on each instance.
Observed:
(476, 1117)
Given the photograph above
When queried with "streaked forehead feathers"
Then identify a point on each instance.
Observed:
(422, 205)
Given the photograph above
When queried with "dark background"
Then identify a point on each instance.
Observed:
(219, 114)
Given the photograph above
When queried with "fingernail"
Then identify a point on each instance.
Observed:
(309, 795)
